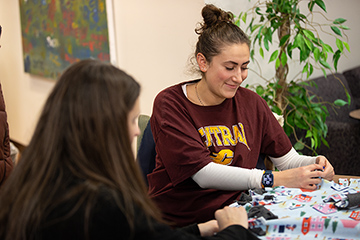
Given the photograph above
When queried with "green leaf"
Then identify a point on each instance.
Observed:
(252, 52)
(308, 44)
(339, 44)
(277, 63)
(336, 58)
(317, 41)
(262, 18)
(284, 39)
(312, 142)
(336, 30)
(304, 54)
(324, 55)
(283, 58)
(311, 70)
(268, 35)
(274, 55)
(299, 146)
(308, 134)
(344, 27)
(251, 24)
(299, 122)
(324, 63)
(316, 53)
(261, 51)
(347, 46)
(299, 42)
(321, 4)
(348, 97)
(289, 50)
(311, 5)
(260, 90)
(244, 17)
(259, 33)
(266, 44)
(327, 48)
(305, 68)
(277, 110)
(256, 26)
(340, 102)
(324, 72)
(309, 34)
(239, 17)
(339, 21)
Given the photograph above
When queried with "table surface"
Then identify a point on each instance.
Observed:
(337, 177)
(355, 114)
(306, 214)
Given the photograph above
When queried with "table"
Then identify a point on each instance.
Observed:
(337, 177)
(306, 214)
(355, 114)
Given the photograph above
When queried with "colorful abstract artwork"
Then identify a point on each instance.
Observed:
(57, 33)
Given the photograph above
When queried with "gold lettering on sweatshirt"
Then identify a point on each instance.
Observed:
(220, 135)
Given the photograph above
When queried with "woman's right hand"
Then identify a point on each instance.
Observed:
(231, 216)
(302, 177)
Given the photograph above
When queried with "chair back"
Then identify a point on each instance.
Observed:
(146, 153)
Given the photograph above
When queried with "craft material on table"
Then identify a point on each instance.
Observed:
(329, 213)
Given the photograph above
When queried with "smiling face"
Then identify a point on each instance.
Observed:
(224, 74)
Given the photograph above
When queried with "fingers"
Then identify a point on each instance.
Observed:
(313, 174)
(303, 177)
(230, 216)
(328, 173)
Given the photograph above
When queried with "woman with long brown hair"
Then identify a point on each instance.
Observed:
(77, 179)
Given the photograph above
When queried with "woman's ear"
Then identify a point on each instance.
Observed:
(201, 60)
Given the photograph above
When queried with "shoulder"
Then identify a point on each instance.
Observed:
(171, 103)
(245, 95)
(172, 93)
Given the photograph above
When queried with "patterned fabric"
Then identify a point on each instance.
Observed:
(331, 212)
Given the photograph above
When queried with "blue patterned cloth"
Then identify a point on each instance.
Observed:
(325, 214)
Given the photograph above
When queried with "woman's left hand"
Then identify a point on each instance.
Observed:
(328, 173)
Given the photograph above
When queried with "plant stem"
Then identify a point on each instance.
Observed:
(282, 71)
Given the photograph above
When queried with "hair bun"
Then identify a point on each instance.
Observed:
(213, 15)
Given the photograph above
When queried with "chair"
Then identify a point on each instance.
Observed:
(145, 147)
(142, 122)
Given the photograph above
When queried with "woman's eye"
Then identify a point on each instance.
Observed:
(244, 68)
(229, 68)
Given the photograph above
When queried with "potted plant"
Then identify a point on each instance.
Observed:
(288, 27)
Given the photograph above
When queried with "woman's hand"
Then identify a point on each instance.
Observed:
(231, 215)
(307, 177)
(209, 228)
(328, 172)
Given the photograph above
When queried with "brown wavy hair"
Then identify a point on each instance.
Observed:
(81, 137)
(217, 31)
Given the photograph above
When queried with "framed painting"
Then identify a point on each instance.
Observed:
(57, 33)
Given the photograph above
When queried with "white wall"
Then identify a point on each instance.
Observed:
(154, 40)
